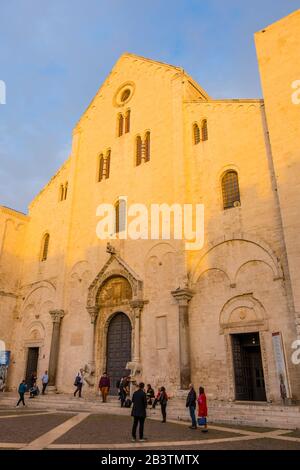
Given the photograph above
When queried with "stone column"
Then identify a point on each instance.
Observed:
(94, 312)
(137, 307)
(57, 316)
(183, 296)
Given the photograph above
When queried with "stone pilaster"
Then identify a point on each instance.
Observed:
(183, 296)
(94, 312)
(57, 316)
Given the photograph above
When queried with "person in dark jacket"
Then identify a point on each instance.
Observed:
(124, 389)
(104, 386)
(22, 389)
(191, 405)
(139, 401)
(163, 400)
(150, 394)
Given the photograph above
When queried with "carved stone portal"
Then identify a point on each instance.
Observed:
(114, 291)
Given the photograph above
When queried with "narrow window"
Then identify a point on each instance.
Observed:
(66, 191)
(120, 212)
(204, 130)
(120, 125)
(45, 247)
(61, 192)
(196, 134)
(138, 150)
(101, 168)
(230, 190)
(147, 147)
(107, 165)
(127, 122)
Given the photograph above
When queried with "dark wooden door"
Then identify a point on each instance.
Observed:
(32, 363)
(248, 368)
(118, 349)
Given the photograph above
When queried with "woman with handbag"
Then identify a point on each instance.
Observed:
(202, 410)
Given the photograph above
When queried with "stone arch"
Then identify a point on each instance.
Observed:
(240, 312)
(115, 267)
(263, 252)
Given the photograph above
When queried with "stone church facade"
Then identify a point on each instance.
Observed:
(225, 316)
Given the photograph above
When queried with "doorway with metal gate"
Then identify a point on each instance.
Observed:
(118, 349)
(32, 364)
(248, 367)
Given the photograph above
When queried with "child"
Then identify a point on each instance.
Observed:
(202, 410)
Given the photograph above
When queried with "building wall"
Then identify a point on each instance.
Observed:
(278, 57)
(240, 279)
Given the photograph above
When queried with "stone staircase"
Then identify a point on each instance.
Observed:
(234, 413)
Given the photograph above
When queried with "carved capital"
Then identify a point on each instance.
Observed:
(57, 315)
(183, 296)
(137, 306)
(94, 312)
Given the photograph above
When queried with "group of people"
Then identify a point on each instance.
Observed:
(140, 401)
(32, 387)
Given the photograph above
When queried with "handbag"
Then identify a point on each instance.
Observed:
(201, 421)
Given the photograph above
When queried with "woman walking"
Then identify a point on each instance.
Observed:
(163, 400)
(202, 410)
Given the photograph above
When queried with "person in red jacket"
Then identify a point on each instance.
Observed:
(202, 409)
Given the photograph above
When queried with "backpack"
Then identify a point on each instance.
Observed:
(77, 381)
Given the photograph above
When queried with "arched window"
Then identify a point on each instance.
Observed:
(138, 150)
(45, 247)
(107, 166)
(147, 147)
(127, 122)
(230, 190)
(66, 191)
(120, 222)
(101, 167)
(120, 125)
(204, 130)
(196, 134)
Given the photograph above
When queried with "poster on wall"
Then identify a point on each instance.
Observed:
(281, 365)
(4, 363)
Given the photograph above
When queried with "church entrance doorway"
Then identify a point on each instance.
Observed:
(32, 364)
(118, 349)
(248, 368)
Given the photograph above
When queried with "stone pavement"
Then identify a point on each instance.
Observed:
(33, 430)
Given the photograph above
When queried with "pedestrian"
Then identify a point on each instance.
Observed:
(78, 383)
(191, 405)
(156, 400)
(104, 386)
(45, 380)
(202, 410)
(34, 391)
(124, 390)
(139, 400)
(33, 379)
(163, 400)
(150, 394)
(22, 389)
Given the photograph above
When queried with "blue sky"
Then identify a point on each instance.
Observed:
(55, 54)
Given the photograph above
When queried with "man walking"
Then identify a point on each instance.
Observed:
(104, 386)
(45, 380)
(78, 383)
(22, 389)
(139, 401)
(191, 405)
